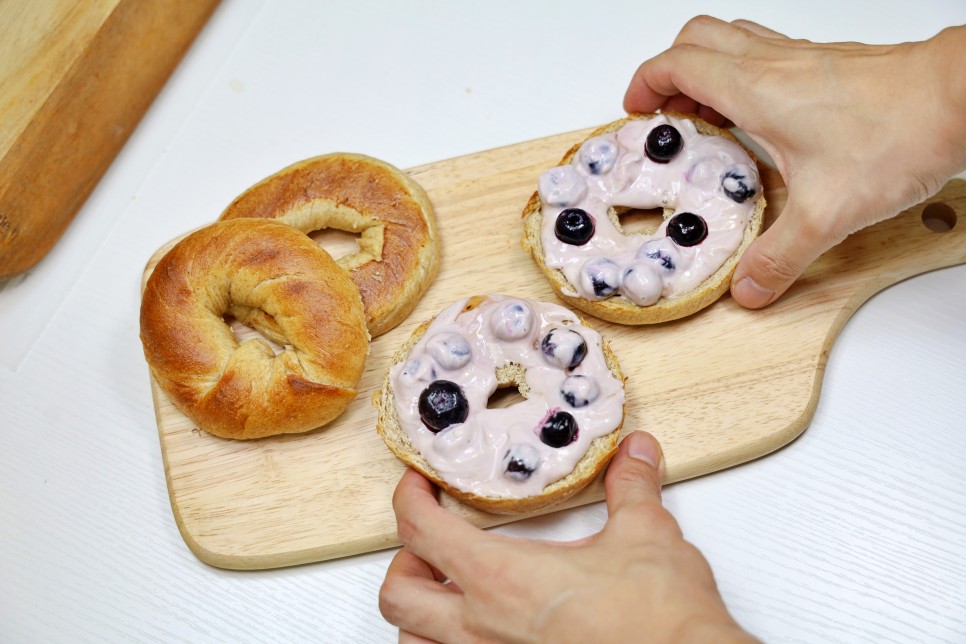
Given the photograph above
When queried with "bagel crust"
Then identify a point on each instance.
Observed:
(618, 308)
(398, 253)
(275, 279)
(390, 427)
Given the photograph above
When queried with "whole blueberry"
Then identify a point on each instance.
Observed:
(737, 185)
(442, 404)
(559, 430)
(574, 226)
(663, 143)
(600, 275)
(564, 348)
(687, 229)
(579, 391)
(520, 461)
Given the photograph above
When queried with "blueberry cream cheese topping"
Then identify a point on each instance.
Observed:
(569, 394)
(707, 185)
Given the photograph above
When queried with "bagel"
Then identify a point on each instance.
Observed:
(398, 253)
(574, 233)
(532, 454)
(277, 280)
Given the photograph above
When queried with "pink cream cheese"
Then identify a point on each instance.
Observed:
(613, 171)
(499, 452)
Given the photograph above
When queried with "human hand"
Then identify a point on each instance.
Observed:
(636, 580)
(858, 132)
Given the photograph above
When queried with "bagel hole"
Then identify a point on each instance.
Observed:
(505, 397)
(635, 221)
(939, 217)
(243, 332)
(337, 243)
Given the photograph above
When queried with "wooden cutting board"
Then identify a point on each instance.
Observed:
(75, 79)
(720, 388)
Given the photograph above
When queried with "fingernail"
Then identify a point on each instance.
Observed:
(752, 295)
(644, 448)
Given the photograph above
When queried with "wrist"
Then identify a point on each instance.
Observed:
(943, 55)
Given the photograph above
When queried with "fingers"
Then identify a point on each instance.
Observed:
(412, 599)
(703, 75)
(433, 533)
(721, 36)
(759, 30)
(779, 256)
(635, 474)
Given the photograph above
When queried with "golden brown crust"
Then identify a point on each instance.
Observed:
(398, 247)
(619, 309)
(280, 282)
(587, 469)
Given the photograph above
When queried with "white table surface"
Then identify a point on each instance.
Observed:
(854, 532)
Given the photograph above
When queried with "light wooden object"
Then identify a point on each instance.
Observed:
(720, 388)
(75, 79)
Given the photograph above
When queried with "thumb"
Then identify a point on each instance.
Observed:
(635, 474)
(778, 257)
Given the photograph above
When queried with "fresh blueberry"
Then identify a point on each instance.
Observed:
(442, 404)
(600, 275)
(687, 229)
(520, 461)
(564, 348)
(512, 321)
(737, 185)
(559, 430)
(579, 391)
(662, 256)
(561, 186)
(641, 284)
(598, 155)
(451, 350)
(663, 143)
(574, 226)
(419, 370)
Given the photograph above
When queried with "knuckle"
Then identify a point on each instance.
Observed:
(406, 529)
(774, 266)
(388, 602)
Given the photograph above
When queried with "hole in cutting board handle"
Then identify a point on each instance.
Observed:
(939, 217)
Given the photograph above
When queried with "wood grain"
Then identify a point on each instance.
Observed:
(720, 388)
(75, 79)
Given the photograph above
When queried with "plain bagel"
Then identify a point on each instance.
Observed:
(705, 181)
(398, 245)
(278, 281)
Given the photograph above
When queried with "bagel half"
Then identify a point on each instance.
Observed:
(619, 309)
(598, 454)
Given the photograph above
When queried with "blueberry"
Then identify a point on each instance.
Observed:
(512, 321)
(442, 404)
(687, 229)
(561, 186)
(737, 185)
(520, 461)
(663, 143)
(451, 350)
(662, 256)
(641, 284)
(598, 155)
(559, 430)
(600, 275)
(579, 391)
(574, 226)
(564, 347)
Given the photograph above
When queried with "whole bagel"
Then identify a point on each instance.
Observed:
(277, 280)
(398, 245)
